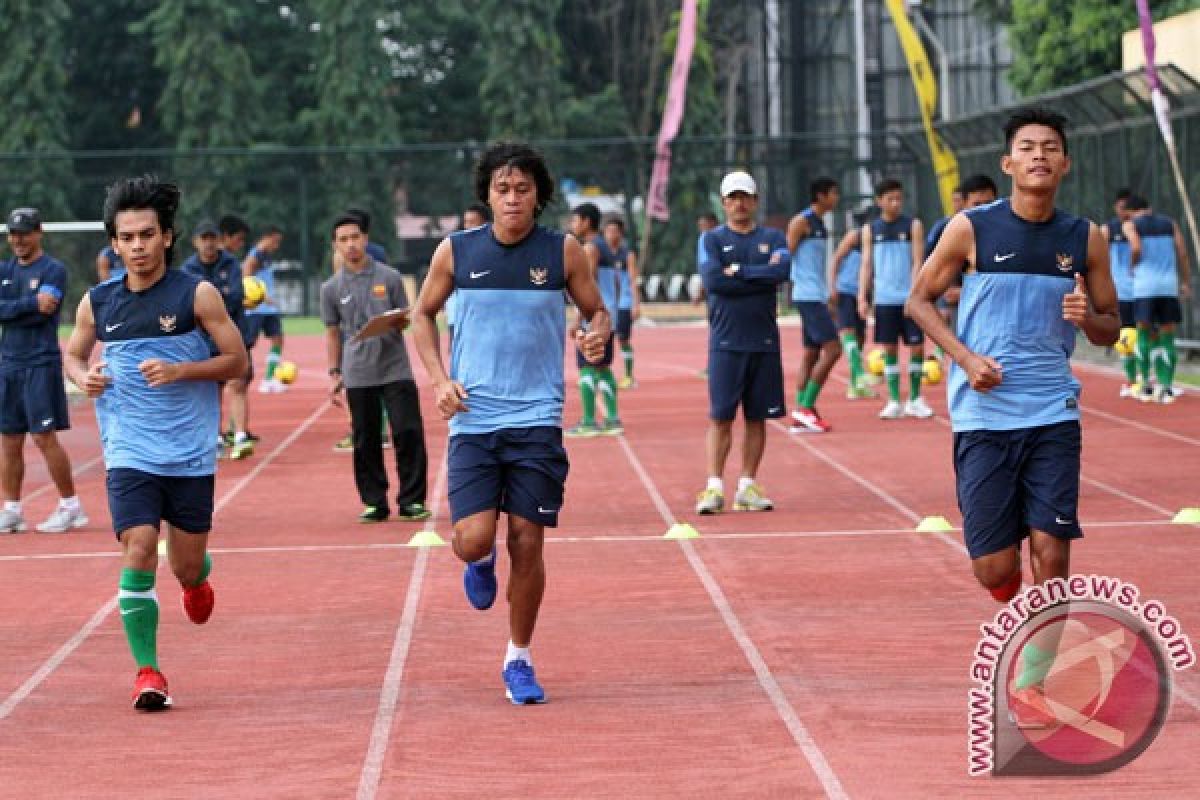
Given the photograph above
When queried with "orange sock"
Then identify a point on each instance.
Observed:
(1007, 590)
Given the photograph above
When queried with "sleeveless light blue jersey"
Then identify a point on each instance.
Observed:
(1011, 310)
(606, 277)
(809, 281)
(170, 430)
(1119, 259)
(1156, 274)
(847, 274)
(266, 273)
(891, 254)
(510, 328)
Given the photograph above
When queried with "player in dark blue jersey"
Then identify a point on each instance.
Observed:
(504, 394)
(1034, 275)
(267, 317)
(32, 398)
(109, 264)
(158, 409)
(596, 377)
(743, 265)
(613, 248)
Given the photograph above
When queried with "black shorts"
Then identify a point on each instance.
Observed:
(33, 400)
(520, 471)
(818, 324)
(142, 498)
(624, 324)
(605, 361)
(268, 325)
(753, 381)
(1157, 311)
(1128, 317)
(847, 314)
(891, 325)
(1012, 481)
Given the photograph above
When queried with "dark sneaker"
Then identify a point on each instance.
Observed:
(373, 514)
(414, 512)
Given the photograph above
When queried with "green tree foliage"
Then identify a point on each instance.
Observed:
(523, 92)
(33, 83)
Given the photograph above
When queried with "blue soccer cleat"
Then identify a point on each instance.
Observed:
(479, 581)
(520, 685)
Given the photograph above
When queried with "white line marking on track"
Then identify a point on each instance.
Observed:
(72, 644)
(804, 740)
(1179, 437)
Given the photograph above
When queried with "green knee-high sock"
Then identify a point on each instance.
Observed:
(1035, 665)
(808, 398)
(627, 354)
(1146, 343)
(1130, 364)
(587, 394)
(916, 371)
(1166, 358)
(272, 361)
(139, 614)
(383, 426)
(205, 570)
(607, 387)
(891, 369)
(854, 356)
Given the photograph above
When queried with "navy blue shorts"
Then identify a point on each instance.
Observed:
(624, 324)
(1157, 311)
(1128, 317)
(891, 325)
(847, 314)
(818, 324)
(1012, 481)
(33, 400)
(753, 381)
(142, 498)
(520, 471)
(606, 361)
(266, 324)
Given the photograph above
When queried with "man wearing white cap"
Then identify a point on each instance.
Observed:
(742, 266)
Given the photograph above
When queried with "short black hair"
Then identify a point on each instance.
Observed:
(978, 183)
(143, 193)
(589, 212)
(887, 185)
(820, 186)
(1124, 193)
(348, 217)
(231, 225)
(620, 223)
(364, 218)
(481, 209)
(708, 215)
(1035, 115)
(518, 156)
(1136, 202)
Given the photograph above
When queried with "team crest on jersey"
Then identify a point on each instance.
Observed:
(33, 283)
(902, 236)
(1065, 262)
(539, 275)
(379, 290)
(764, 248)
(167, 323)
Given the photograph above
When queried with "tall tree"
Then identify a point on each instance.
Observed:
(33, 83)
(523, 91)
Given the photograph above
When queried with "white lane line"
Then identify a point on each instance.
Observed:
(800, 734)
(389, 696)
(51, 664)
(1132, 423)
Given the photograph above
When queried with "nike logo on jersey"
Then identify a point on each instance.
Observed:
(547, 510)
(774, 410)
(726, 248)
(477, 275)
(46, 423)
(347, 299)
(6, 282)
(111, 328)
(998, 258)
(1062, 521)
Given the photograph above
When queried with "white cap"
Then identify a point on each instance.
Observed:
(738, 182)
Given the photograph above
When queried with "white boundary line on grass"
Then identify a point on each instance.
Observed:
(389, 696)
(51, 664)
(808, 746)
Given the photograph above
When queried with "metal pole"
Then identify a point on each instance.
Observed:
(863, 143)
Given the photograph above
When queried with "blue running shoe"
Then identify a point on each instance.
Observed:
(520, 686)
(479, 580)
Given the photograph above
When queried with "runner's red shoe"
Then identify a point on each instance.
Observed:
(198, 602)
(150, 690)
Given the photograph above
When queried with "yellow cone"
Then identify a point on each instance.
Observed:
(1187, 516)
(934, 525)
(681, 530)
(426, 539)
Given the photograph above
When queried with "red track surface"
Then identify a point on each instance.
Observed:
(822, 649)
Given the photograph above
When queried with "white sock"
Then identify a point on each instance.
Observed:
(745, 482)
(515, 653)
(70, 503)
(715, 482)
(486, 560)
(240, 436)
(12, 505)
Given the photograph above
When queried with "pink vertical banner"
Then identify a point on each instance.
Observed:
(656, 201)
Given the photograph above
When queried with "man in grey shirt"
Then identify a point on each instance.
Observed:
(375, 375)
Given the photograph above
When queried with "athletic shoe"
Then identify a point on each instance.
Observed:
(387, 442)
(254, 437)
(612, 427)
(807, 420)
(627, 383)
(11, 521)
(1146, 395)
(198, 602)
(1027, 709)
(414, 512)
(63, 520)
(893, 410)
(918, 408)
(345, 444)
(150, 690)
(859, 392)
(226, 439)
(479, 582)
(1165, 395)
(373, 514)
(752, 498)
(520, 685)
(710, 501)
(583, 430)
(241, 449)
(1127, 390)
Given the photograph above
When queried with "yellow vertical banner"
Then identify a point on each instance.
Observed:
(945, 165)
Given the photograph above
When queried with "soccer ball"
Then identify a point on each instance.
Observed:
(1127, 342)
(933, 370)
(285, 372)
(254, 291)
(876, 360)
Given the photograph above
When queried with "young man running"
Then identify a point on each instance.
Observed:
(1122, 272)
(504, 395)
(158, 410)
(596, 377)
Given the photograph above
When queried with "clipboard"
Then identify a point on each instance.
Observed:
(396, 319)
